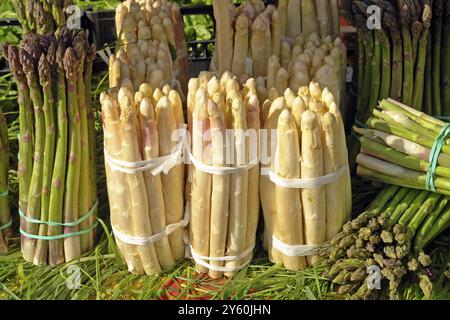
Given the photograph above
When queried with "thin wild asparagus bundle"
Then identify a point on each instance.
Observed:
(376, 251)
(57, 181)
(224, 125)
(306, 196)
(146, 204)
(42, 16)
(5, 217)
(151, 46)
(402, 146)
(407, 58)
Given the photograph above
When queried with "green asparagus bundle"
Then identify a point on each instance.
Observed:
(376, 251)
(5, 218)
(405, 59)
(43, 16)
(57, 187)
(402, 146)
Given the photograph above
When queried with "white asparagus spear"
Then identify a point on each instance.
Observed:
(136, 183)
(224, 17)
(201, 181)
(117, 184)
(173, 181)
(294, 19)
(253, 123)
(240, 52)
(282, 10)
(276, 33)
(220, 188)
(237, 223)
(288, 223)
(267, 188)
(333, 194)
(313, 200)
(150, 141)
(309, 18)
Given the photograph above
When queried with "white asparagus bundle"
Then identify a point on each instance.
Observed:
(224, 205)
(321, 60)
(300, 213)
(149, 31)
(139, 128)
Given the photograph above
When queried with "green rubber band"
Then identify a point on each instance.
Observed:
(434, 156)
(4, 193)
(60, 224)
(59, 236)
(6, 226)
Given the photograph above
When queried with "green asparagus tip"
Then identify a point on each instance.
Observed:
(45, 72)
(71, 64)
(80, 45)
(427, 16)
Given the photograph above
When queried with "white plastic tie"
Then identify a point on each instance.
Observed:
(304, 183)
(219, 171)
(155, 166)
(294, 250)
(201, 260)
(144, 241)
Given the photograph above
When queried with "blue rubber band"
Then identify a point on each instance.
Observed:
(434, 156)
(60, 224)
(6, 226)
(59, 236)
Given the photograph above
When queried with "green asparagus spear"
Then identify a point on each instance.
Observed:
(437, 34)
(56, 248)
(28, 54)
(84, 194)
(425, 210)
(386, 67)
(445, 61)
(72, 248)
(415, 205)
(90, 56)
(421, 60)
(431, 228)
(401, 207)
(408, 62)
(46, 77)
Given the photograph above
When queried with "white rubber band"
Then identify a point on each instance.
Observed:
(304, 183)
(294, 250)
(156, 166)
(144, 241)
(219, 171)
(201, 260)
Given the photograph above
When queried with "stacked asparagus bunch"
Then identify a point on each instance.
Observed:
(5, 217)
(396, 148)
(57, 161)
(152, 48)
(139, 133)
(224, 123)
(42, 16)
(407, 59)
(389, 236)
(310, 144)
(249, 34)
(311, 59)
